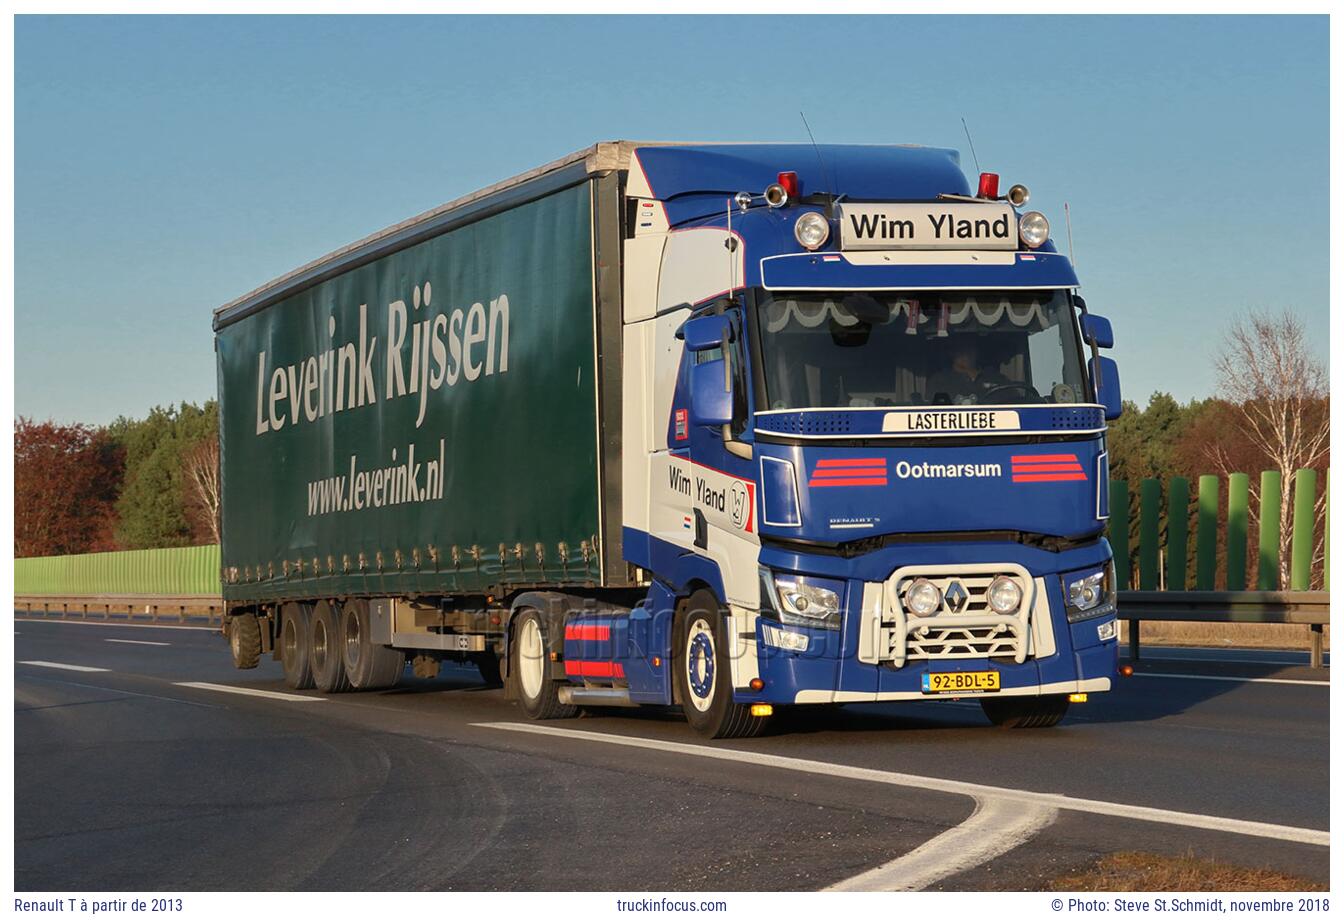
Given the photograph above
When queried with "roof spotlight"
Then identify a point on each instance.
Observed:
(776, 195)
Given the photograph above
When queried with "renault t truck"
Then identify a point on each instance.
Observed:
(724, 427)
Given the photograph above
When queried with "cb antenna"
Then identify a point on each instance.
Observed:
(830, 196)
(1068, 222)
(975, 158)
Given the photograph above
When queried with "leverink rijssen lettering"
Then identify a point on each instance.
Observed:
(445, 347)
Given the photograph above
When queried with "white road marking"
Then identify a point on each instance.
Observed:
(1297, 663)
(995, 827)
(938, 784)
(136, 642)
(248, 691)
(60, 666)
(166, 699)
(117, 623)
(1235, 680)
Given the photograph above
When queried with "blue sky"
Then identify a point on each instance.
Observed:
(165, 165)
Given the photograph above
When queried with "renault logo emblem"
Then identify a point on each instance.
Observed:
(956, 597)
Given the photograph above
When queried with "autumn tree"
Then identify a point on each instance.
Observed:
(66, 479)
(200, 476)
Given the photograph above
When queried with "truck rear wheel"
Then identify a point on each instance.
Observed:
(369, 666)
(324, 648)
(1025, 711)
(530, 670)
(294, 656)
(487, 662)
(245, 640)
(704, 680)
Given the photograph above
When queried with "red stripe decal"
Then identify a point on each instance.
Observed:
(818, 483)
(587, 631)
(594, 669)
(1047, 468)
(1048, 477)
(852, 461)
(851, 471)
(1047, 458)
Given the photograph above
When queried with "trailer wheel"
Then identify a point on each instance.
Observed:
(369, 666)
(324, 649)
(487, 662)
(530, 670)
(703, 677)
(245, 640)
(294, 651)
(1025, 711)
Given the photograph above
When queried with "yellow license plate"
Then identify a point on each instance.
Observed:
(961, 682)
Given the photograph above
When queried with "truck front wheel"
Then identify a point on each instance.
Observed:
(324, 649)
(704, 680)
(1025, 711)
(245, 641)
(294, 656)
(530, 670)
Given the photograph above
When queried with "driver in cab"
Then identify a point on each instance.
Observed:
(966, 380)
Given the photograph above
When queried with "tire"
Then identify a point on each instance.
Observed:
(294, 650)
(1025, 711)
(369, 665)
(245, 641)
(704, 680)
(324, 649)
(487, 663)
(529, 670)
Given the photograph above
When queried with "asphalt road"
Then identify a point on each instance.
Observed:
(127, 780)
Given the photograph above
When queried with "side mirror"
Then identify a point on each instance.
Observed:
(1097, 329)
(705, 332)
(711, 392)
(1106, 379)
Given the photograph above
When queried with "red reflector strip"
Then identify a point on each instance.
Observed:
(1048, 477)
(594, 669)
(852, 461)
(587, 631)
(818, 483)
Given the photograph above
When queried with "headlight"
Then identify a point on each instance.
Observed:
(802, 601)
(1090, 595)
(1034, 229)
(1005, 595)
(923, 598)
(811, 230)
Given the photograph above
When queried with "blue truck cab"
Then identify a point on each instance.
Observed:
(863, 441)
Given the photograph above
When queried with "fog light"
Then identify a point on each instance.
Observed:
(1004, 595)
(1107, 631)
(1077, 697)
(923, 599)
(761, 710)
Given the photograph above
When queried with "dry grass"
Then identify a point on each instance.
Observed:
(1233, 635)
(1151, 872)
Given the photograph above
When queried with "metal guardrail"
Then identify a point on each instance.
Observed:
(1310, 608)
(153, 608)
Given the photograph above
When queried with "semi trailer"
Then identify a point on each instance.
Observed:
(727, 427)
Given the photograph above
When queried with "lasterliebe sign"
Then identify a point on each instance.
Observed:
(991, 225)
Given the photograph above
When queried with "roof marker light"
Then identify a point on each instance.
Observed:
(989, 185)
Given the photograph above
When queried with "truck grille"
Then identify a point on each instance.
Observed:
(963, 627)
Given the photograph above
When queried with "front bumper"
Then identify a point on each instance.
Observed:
(862, 663)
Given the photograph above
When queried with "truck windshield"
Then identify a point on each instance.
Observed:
(862, 349)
